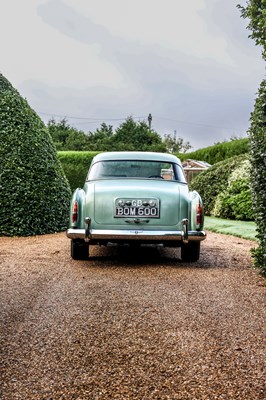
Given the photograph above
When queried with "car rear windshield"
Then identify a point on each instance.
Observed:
(136, 169)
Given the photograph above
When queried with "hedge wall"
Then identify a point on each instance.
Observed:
(257, 134)
(34, 192)
(218, 152)
(76, 165)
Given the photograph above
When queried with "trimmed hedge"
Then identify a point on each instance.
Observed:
(76, 165)
(218, 152)
(213, 181)
(257, 134)
(34, 192)
(254, 10)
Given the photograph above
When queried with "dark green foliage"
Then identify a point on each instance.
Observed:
(65, 137)
(101, 139)
(76, 165)
(255, 11)
(34, 193)
(136, 136)
(214, 181)
(235, 202)
(5, 85)
(130, 135)
(257, 134)
(219, 151)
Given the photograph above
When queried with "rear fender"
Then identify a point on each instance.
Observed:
(76, 218)
(196, 212)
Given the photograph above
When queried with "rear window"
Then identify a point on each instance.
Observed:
(136, 169)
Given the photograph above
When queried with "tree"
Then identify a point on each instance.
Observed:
(101, 139)
(65, 137)
(136, 136)
(76, 140)
(34, 192)
(255, 11)
(176, 144)
(129, 136)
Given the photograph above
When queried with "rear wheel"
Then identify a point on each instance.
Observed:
(190, 251)
(79, 249)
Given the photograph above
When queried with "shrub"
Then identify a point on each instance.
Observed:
(219, 152)
(213, 181)
(235, 202)
(76, 165)
(255, 11)
(257, 134)
(34, 193)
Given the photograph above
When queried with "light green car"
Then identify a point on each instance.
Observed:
(136, 198)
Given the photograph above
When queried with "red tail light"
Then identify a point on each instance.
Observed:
(199, 214)
(75, 209)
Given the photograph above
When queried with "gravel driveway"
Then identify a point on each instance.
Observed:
(131, 324)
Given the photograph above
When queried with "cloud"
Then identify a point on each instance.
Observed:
(188, 63)
(169, 24)
(34, 49)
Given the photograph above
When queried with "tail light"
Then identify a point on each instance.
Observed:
(75, 210)
(199, 215)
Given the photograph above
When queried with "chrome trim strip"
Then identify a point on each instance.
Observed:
(134, 234)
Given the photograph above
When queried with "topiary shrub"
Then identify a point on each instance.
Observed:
(219, 151)
(255, 11)
(213, 181)
(257, 134)
(34, 193)
(235, 202)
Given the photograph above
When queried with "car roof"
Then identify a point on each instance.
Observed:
(136, 155)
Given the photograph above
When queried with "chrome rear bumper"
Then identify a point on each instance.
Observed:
(134, 234)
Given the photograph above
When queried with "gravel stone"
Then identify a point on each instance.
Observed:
(131, 324)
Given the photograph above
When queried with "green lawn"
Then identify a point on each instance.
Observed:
(243, 229)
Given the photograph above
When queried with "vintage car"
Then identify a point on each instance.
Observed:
(136, 198)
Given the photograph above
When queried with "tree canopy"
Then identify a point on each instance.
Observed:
(129, 136)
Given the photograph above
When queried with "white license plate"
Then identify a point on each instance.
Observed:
(137, 208)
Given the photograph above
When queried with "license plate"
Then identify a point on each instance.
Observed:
(148, 208)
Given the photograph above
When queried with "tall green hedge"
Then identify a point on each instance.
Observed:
(218, 152)
(34, 192)
(76, 165)
(255, 11)
(257, 134)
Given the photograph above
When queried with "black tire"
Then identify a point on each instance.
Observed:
(190, 251)
(79, 249)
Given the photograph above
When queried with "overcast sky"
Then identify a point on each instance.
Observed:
(188, 63)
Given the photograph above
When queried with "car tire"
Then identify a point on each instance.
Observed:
(190, 251)
(79, 249)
